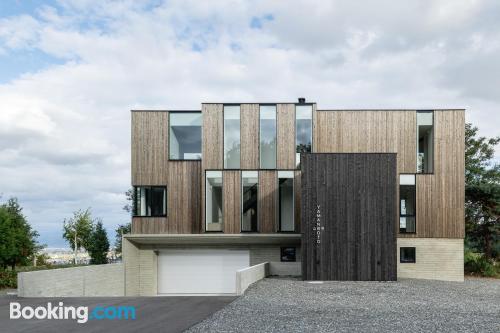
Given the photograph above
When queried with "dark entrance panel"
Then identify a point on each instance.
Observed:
(349, 211)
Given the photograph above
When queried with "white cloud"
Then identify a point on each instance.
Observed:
(65, 129)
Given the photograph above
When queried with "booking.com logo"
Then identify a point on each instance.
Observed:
(80, 313)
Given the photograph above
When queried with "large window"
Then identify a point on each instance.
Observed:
(150, 201)
(407, 255)
(213, 201)
(303, 130)
(231, 136)
(425, 141)
(285, 201)
(268, 136)
(185, 135)
(249, 189)
(407, 203)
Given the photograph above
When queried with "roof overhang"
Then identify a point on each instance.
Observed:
(214, 239)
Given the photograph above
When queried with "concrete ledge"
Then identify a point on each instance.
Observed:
(214, 239)
(285, 268)
(94, 280)
(246, 276)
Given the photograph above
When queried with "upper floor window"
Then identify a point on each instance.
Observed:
(232, 137)
(425, 141)
(303, 131)
(249, 202)
(407, 203)
(213, 201)
(286, 201)
(185, 135)
(150, 201)
(268, 136)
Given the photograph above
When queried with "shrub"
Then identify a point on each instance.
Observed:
(478, 264)
(8, 279)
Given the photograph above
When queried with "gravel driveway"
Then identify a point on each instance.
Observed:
(284, 305)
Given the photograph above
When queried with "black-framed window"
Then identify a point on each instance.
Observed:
(249, 200)
(407, 203)
(185, 135)
(232, 139)
(407, 255)
(286, 206)
(288, 254)
(267, 136)
(150, 201)
(213, 201)
(303, 131)
(425, 141)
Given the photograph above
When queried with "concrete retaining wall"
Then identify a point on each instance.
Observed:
(285, 268)
(246, 276)
(95, 280)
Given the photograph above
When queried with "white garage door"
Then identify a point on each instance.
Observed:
(200, 271)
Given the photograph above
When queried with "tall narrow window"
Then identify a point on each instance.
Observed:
(407, 203)
(285, 201)
(268, 136)
(185, 135)
(231, 137)
(213, 201)
(249, 188)
(150, 201)
(303, 131)
(425, 141)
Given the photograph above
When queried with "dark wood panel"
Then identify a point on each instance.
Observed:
(297, 193)
(356, 194)
(232, 201)
(285, 136)
(249, 136)
(267, 201)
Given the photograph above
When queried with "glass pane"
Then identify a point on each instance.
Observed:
(158, 202)
(406, 179)
(249, 217)
(150, 201)
(286, 205)
(425, 141)
(231, 137)
(407, 200)
(268, 136)
(303, 130)
(213, 201)
(407, 255)
(185, 136)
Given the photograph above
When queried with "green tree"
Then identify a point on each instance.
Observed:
(17, 238)
(482, 193)
(120, 231)
(77, 230)
(99, 245)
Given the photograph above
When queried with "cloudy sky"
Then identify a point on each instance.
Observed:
(70, 71)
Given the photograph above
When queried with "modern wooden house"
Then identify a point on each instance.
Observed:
(325, 194)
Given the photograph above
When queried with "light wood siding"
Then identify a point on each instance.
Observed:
(232, 201)
(368, 132)
(267, 201)
(286, 136)
(213, 141)
(149, 148)
(297, 198)
(249, 136)
(441, 196)
(183, 202)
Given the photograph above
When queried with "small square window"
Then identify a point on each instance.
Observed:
(288, 254)
(407, 255)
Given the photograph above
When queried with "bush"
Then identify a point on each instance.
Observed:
(8, 279)
(478, 264)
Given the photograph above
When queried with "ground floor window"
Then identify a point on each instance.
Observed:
(407, 255)
(288, 254)
(150, 201)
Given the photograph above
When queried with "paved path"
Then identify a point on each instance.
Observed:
(153, 314)
(280, 305)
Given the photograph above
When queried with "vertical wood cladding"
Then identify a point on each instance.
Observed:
(213, 141)
(149, 148)
(357, 198)
(249, 136)
(285, 136)
(150, 166)
(232, 201)
(268, 188)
